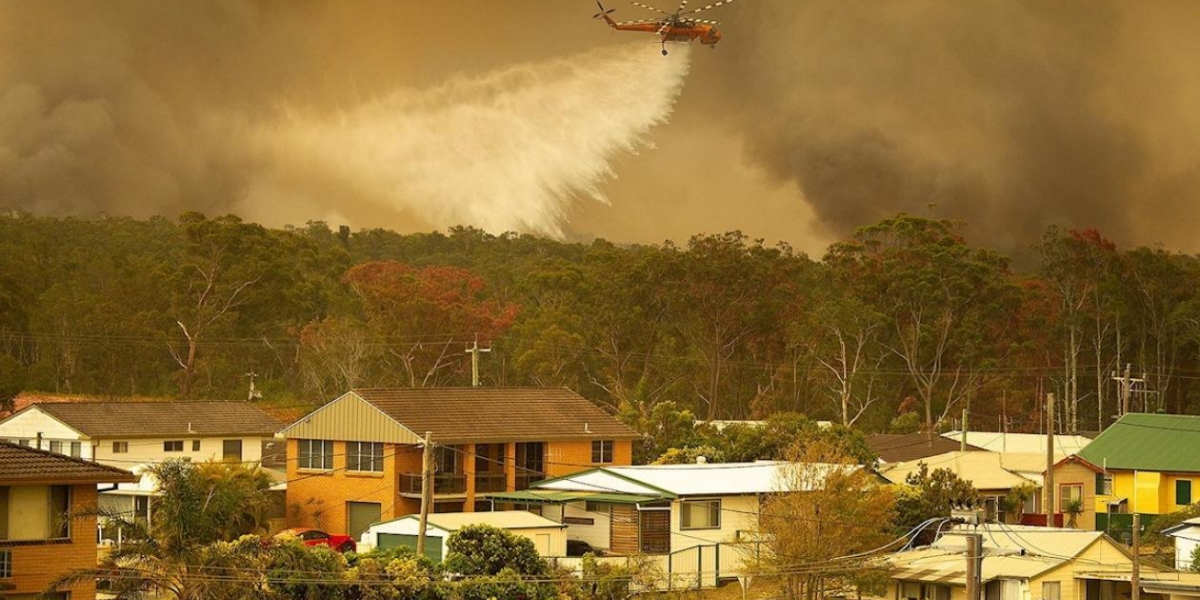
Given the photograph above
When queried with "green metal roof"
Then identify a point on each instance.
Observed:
(561, 497)
(1148, 442)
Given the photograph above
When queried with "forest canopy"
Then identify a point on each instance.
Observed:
(905, 317)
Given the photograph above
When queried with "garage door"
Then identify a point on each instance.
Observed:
(433, 545)
(361, 516)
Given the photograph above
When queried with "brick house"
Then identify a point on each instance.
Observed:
(357, 459)
(42, 535)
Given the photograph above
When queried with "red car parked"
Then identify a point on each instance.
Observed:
(316, 537)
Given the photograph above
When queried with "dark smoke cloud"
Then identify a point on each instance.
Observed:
(1009, 115)
(809, 119)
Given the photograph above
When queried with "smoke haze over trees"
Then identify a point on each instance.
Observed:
(906, 315)
(808, 120)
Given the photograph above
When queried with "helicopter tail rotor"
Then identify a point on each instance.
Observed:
(603, 13)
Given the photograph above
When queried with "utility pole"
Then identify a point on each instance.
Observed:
(1136, 579)
(426, 491)
(1127, 383)
(975, 566)
(254, 393)
(1048, 487)
(474, 351)
(962, 443)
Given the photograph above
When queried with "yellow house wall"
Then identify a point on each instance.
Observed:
(1077, 474)
(1153, 493)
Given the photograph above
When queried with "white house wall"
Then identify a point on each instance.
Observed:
(596, 534)
(31, 423)
(738, 514)
(146, 450)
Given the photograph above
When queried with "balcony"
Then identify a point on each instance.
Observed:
(526, 479)
(490, 482)
(443, 483)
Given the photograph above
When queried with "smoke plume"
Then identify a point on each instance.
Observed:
(506, 152)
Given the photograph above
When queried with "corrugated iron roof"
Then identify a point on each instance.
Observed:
(983, 469)
(503, 519)
(158, 419)
(718, 479)
(1148, 442)
(463, 415)
(20, 464)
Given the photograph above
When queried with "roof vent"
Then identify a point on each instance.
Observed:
(701, 460)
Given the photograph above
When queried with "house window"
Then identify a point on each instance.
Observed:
(315, 454)
(35, 512)
(120, 447)
(1104, 484)
(1069, 494)
(231, 450)
(364, 456)
(5, 564)
(1183, 491)
(911, 590)
(173, 446)
(195, 445)
(76, 449)
(597, 507)
(447, 460)
(1051, 590)
(700, 514)
(602, 451)
(25, 442)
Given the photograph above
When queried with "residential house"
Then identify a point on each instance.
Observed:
(548, 537)
(993, 474)
(700, 520)
(357, 460)
(1018, 563)
(1187, 540)
(1143, 463)
(904, 447)
(1026, 443)
(43, 533)
(131, 433)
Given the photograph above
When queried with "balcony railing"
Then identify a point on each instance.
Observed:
(490, 482)
(443, 483)
(526, 479)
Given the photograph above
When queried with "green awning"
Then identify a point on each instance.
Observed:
(561, 497)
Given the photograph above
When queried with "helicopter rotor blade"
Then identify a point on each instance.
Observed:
(602, 11)
(708, 7)
(682, 5)
(706, 21)
(648, 7)
(638, 22)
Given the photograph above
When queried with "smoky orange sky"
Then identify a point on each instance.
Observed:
(809, 119)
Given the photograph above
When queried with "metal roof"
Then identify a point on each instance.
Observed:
(718, 479)
(1148, 442)
(985, 470)
(1010, 552)
(1064, 445)
(502, 519)
(900, 447)
(559, 497)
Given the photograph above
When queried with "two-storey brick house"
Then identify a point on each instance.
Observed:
(44, 530)
(357, 459)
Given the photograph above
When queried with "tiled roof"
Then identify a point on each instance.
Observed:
(497, 414)
(1148, 442)
(22, 464)
(901, 447)
(157, 419)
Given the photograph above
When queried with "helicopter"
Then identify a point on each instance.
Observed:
(671, 27)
